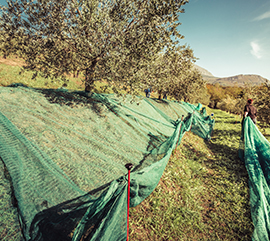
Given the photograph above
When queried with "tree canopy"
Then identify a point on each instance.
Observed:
(262, 102)
(110, 40)
(172, 73)
(217, 93)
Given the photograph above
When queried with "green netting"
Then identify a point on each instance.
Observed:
(64, 157)
(255, 151)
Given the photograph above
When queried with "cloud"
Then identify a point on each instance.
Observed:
(262, 16)
(256, 50)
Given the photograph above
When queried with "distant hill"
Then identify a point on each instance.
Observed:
(238, 80)
(203, 71)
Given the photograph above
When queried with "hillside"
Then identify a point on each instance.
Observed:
(203, 193)
(203, 71)
(238, 80)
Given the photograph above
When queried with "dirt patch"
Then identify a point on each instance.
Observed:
(13, 61)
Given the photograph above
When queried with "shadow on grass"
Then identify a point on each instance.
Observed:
(228, 155)
(233, 122)
(225, 133)
(161, 101)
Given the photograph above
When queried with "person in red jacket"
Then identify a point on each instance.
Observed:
(250, 111)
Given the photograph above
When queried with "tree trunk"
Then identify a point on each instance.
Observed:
(75, 73)
(159, 94)
(89, 77)
(89, 81)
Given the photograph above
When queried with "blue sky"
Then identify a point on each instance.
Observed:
(229, 37)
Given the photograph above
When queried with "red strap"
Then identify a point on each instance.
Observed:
(128, 204)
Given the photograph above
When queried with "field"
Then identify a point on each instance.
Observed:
(203, 193)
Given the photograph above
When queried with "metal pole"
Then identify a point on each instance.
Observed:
(128, 166)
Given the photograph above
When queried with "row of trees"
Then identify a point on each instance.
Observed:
(129, 44)
(262, 102)
(228, 98)
(233, 100)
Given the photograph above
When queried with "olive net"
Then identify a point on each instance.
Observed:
(63, 157)
(255, 151)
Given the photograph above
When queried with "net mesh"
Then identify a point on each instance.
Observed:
(255, 151)
(63, 174)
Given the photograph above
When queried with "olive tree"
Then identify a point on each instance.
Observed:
(172, 72)
(189, 87)
(109, 40)
(262, 102)
(8, 45)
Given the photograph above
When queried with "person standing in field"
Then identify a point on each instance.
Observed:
(146, 92)
(250, 111)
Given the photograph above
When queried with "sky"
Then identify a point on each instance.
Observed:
(229, 37)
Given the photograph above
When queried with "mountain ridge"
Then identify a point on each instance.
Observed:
(236, 80)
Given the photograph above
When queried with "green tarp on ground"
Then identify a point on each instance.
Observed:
(65, 154)
(255, 151)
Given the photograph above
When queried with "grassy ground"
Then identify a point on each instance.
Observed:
(9, 74)
(203, 193)
(11, 67)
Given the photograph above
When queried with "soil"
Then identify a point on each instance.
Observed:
(13, 61)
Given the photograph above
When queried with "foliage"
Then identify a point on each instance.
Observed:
(263, 105)
(171, 73)
(108, 40)
(231, 99)
(190, 88)
(235, 91)
(7, 45)
(164, 71)
(246, 92)
(233, 104)
(217, 93)
(228, 104)
(201, 96)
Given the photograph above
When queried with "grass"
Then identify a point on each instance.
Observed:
(9, 74)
